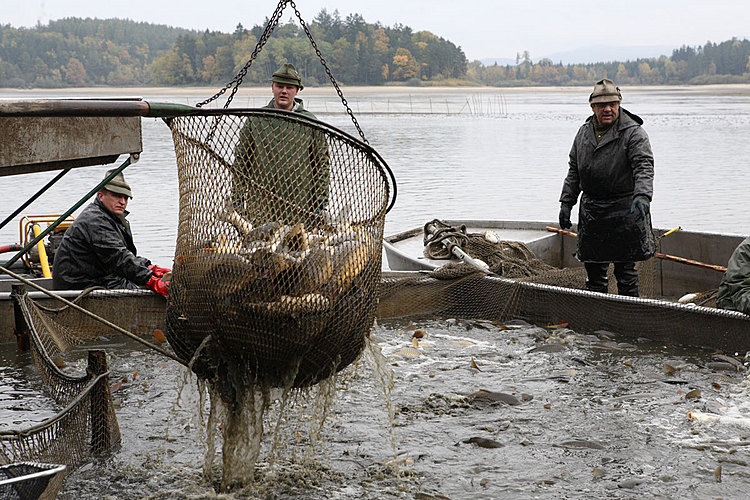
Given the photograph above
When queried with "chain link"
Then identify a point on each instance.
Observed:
(237, 80)
(328, 71)
(272, 23)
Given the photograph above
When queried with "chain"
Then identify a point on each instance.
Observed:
(328, 71)
(272, 23)
(237, 80)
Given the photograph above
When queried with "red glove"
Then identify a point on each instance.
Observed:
(157, 285)
(158, 270)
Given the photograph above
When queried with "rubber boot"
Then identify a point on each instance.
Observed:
(627, 278)
(596, 276)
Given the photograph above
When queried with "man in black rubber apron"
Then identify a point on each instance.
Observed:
(612, 165)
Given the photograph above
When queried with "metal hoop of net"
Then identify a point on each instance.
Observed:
(279, 246)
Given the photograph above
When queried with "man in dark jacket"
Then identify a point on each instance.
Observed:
(98, 249)
(734, 289)
(611, 163)
(281, 169)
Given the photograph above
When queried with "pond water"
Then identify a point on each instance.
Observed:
(595, 418)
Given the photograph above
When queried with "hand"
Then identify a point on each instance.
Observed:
(564, 216)
(158, 270)
(641, 207)
(157, 285)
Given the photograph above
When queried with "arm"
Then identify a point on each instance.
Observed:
(642, 162)
(111, 250)
(571, 186)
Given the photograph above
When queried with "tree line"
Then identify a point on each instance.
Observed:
(75, 52)
(712, 63)
(82, 52)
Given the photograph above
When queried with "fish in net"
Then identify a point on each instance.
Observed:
(279, 247)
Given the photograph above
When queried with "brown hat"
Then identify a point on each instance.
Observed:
(286, 74)
(605, 91)
(118, 184)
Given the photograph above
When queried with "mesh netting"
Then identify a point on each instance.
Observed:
(87, 423)
(30, 480)
(279, 246)
(528, 288)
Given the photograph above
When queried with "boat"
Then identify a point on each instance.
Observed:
(688, 264)
(31, 480)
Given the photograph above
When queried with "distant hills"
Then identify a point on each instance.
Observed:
(593, 54)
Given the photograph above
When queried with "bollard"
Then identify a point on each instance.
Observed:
(21, 328)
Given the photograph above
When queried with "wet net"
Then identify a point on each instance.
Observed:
(30, 480)
(279, 247)
(520, 285)
(86, 424)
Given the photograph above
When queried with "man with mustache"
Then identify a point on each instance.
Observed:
(611, 165)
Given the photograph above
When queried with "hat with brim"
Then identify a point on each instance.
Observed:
(118, 184)
(287, 75)
(605, 91)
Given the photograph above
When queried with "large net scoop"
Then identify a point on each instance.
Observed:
(279, 246)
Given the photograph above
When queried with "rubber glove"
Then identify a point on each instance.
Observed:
(641, 207)
(158, 270)
(564, 216)
(157, 285)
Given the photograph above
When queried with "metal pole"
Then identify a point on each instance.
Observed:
(34, 197)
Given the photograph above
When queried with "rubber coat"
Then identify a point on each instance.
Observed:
(281, 169)
(610, 174)
(98, 250)
(734, 289)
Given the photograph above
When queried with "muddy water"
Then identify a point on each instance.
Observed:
(596, 419)
(580, 416)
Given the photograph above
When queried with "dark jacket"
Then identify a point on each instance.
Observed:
(281, 169)
(610, 174)
(734, 290)
(98, 250)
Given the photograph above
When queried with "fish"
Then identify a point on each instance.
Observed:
(242, 225)
(494, 397)
(349, 259)
(483, 442)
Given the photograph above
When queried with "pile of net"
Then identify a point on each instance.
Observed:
(513, 260)
(279, 247)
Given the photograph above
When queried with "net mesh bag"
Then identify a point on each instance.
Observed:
(278, 252)
(86, 424)
(521, 286)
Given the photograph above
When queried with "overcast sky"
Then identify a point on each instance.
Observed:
(483, 28)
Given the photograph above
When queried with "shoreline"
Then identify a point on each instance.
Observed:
(734, 88)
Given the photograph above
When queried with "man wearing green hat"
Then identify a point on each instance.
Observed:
(98, 250)
(281, 168)
(612, 167)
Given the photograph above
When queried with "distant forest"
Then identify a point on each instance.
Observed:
(76, 52)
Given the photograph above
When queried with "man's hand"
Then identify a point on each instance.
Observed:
(157, 285)
(641, 207)
(158, 270)
(564, 216)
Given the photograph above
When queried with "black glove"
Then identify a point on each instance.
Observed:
(641, 207)
(564, 216)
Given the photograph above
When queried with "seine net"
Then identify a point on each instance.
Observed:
(523, 286)
(86, 424)
(278, 252)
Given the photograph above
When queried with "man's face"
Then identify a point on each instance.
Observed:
(283, 95)
(115, 202)
(606, 112)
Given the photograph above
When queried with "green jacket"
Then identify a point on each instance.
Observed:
(734, 289)
(281, 169)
